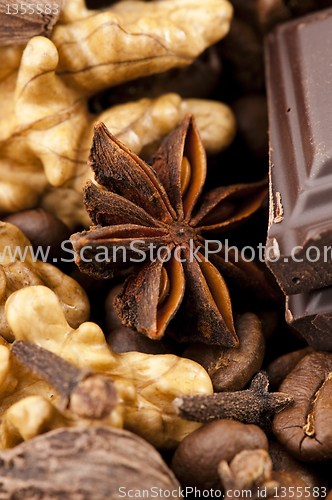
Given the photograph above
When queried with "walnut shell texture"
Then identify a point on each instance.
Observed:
(83, 464)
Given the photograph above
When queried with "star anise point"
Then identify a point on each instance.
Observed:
(142, 206)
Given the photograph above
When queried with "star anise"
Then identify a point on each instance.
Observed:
(139, 205)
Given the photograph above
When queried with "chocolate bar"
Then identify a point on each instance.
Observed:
(311, 314)
(299, 81)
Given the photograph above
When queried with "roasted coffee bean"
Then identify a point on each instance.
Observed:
(246, 10)
(89, 283)
(263, 14)
(99, 4)
(280, 367)
(124, 339)
(195, 462)
(252, 122)
(199, 80)
(283, 461)
(243, 51)
(112, 319)
(305, 427)
(291, 486)
(42, 229)
(269, 320)
(231, 369)
(302, 7)
(270, 13)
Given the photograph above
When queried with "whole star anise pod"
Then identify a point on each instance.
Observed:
(136, 206)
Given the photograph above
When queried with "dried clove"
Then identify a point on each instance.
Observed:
(252, 406)
(146, 384)
(84, 393)
(249, 470)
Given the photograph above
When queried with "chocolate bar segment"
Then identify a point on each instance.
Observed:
(299, 81)
(311, 314)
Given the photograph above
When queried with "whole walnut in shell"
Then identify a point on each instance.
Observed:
(100, 463)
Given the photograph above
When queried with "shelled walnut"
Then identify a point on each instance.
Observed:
(16, 273)
(146, 384)
(45, 124)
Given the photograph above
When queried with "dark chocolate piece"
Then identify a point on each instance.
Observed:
(311, 314)
(299, 78)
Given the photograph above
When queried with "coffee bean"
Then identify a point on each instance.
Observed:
(124, 339)
(305, 427)
(280, 367)
(270, 13)
(112, 319)
(246, 10)
(290, 486)
(231, 369)
(251, 117)
(302, 7)
(262, 14)
(284, 461)
(42, 229)
(243, 51)
(269, 320)
(195, 462)
(199, 80)
(90, 284)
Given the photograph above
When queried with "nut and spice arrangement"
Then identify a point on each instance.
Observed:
(165, 283)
